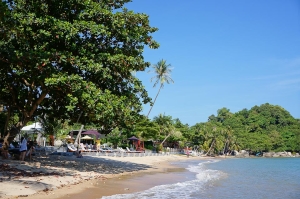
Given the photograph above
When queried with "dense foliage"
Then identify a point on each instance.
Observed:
(262, 128)
(73, 60)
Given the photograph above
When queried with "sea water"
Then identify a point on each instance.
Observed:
(246, 178)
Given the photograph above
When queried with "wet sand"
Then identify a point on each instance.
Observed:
(165, 174)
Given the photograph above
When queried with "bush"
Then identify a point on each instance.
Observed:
(159, 147)
(149, 147)
(123, 146)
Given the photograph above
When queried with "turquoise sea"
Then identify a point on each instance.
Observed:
(245, 178)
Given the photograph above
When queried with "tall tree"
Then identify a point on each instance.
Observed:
(163, 121)
(167, 127)
(162, 72)
(147, 129)
(67, 57)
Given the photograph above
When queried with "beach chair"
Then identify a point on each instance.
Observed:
(91, 148)
(121, 150)
(71, 148)
(82, 148)
(130, 151)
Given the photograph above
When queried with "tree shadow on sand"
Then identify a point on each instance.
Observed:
(66, 166)
(31, 174)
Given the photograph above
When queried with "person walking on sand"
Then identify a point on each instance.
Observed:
(23, 148)
(187, 152)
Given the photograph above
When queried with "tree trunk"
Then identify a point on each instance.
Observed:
(165, 138)
(77, 140)
(10, 134)
(210, 147)
(155, 99)
(6, 132)
(225, 146)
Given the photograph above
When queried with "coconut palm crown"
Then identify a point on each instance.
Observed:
(162, 72)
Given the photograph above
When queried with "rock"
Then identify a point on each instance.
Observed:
(58, 143)
(267, 154)
(243, 151)
(235, 152)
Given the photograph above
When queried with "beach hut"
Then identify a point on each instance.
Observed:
(87, 139)
(137, 143)
(97, 135)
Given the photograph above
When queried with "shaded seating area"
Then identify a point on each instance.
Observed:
(87, 140)
(89, 144)
(87, 148)
(137, 143)
(81, 147)
(108, 150)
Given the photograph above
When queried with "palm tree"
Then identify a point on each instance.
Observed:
(166, 128)
(163, 122)
(162, 72)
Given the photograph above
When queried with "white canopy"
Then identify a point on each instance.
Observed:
(32, 128)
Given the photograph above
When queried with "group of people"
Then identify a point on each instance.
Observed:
(26, 148)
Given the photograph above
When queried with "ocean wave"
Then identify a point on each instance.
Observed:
(188, 189)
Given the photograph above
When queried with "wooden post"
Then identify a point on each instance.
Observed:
(77, 140)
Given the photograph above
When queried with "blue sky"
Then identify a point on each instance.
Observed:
(233, 54)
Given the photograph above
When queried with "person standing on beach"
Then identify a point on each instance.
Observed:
(23, 148)
(30, 149)
(187, 152)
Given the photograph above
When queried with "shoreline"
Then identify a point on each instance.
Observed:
(63, 177)
(60, 176)
(130, 182)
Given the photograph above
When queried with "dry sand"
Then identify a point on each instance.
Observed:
(63, 176)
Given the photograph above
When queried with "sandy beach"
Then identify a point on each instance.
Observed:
(55, 176)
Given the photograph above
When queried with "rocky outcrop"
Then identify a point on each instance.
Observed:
(241, 154)
(279, 154)
(244, 154)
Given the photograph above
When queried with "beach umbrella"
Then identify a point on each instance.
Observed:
(86, 137)
(133, 138)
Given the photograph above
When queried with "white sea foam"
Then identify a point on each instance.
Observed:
(184, 190)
